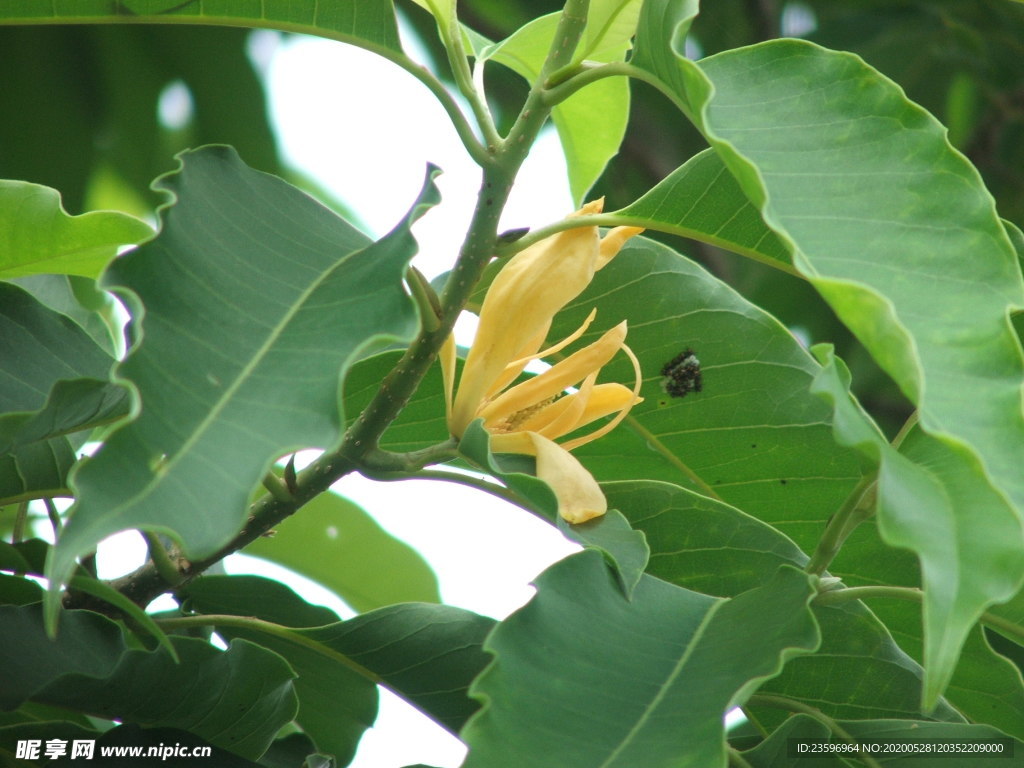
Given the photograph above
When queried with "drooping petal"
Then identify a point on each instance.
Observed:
(578, 494)
(565, 373)
(612, 243)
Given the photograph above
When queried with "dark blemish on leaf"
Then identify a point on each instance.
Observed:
(783, 481)
(753, 445)
(682, 374)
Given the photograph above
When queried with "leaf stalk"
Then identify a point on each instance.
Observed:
(857, 508)
(914, 595)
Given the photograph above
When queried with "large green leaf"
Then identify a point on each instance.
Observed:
(753, 437)
(888, 223)
(701, 200)
(79, 298)
(336, 543)
(428, 654)
(705, 545)
(884, 262)
(36, 471)
(54, 381)
(591, 123)
(929, 501)
(336, 703)
(246, 696)
(657, 672)
(370, 23)
(253, 300)
(53, 376)
(37, 235)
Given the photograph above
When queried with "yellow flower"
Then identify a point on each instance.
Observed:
(514, 321)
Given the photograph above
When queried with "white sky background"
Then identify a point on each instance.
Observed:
(365, 130)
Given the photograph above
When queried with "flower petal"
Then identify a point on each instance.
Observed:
(633, 400)
(612, 243)
(565, 373)
(534, 285)
(578, 494)
(601, 401)
(563, 415)
(516, 367)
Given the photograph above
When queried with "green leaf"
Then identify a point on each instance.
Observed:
(246, 696)
(516, 472)
(36, 471)
(814, 165)
(611, 25)
(53, 382)
(776, 750)
(812, 137)
(421, 423)
(294, 293)
(611, 534)
(680, 660)
(700, 543)
(336, 704)
(337, 544)
(884, 262)
(37, 235)
(707, 546)
(428, 654)
(933, 502)
(111, 596)
(79, 298)
(53, 376)
(370, 23)
(987, 686)
(701, 200)
(592, 122)
(295, 749)
(15, 590)
(754, 437)
(442, 10)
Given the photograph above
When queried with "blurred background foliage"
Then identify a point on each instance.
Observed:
(98, 112)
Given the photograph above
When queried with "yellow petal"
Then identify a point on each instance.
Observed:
(534, 285)
(612, 243)
(517, 310)
(563, 415)
(578, 494)
(565, 373)
(601, 401)
(634, 399)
